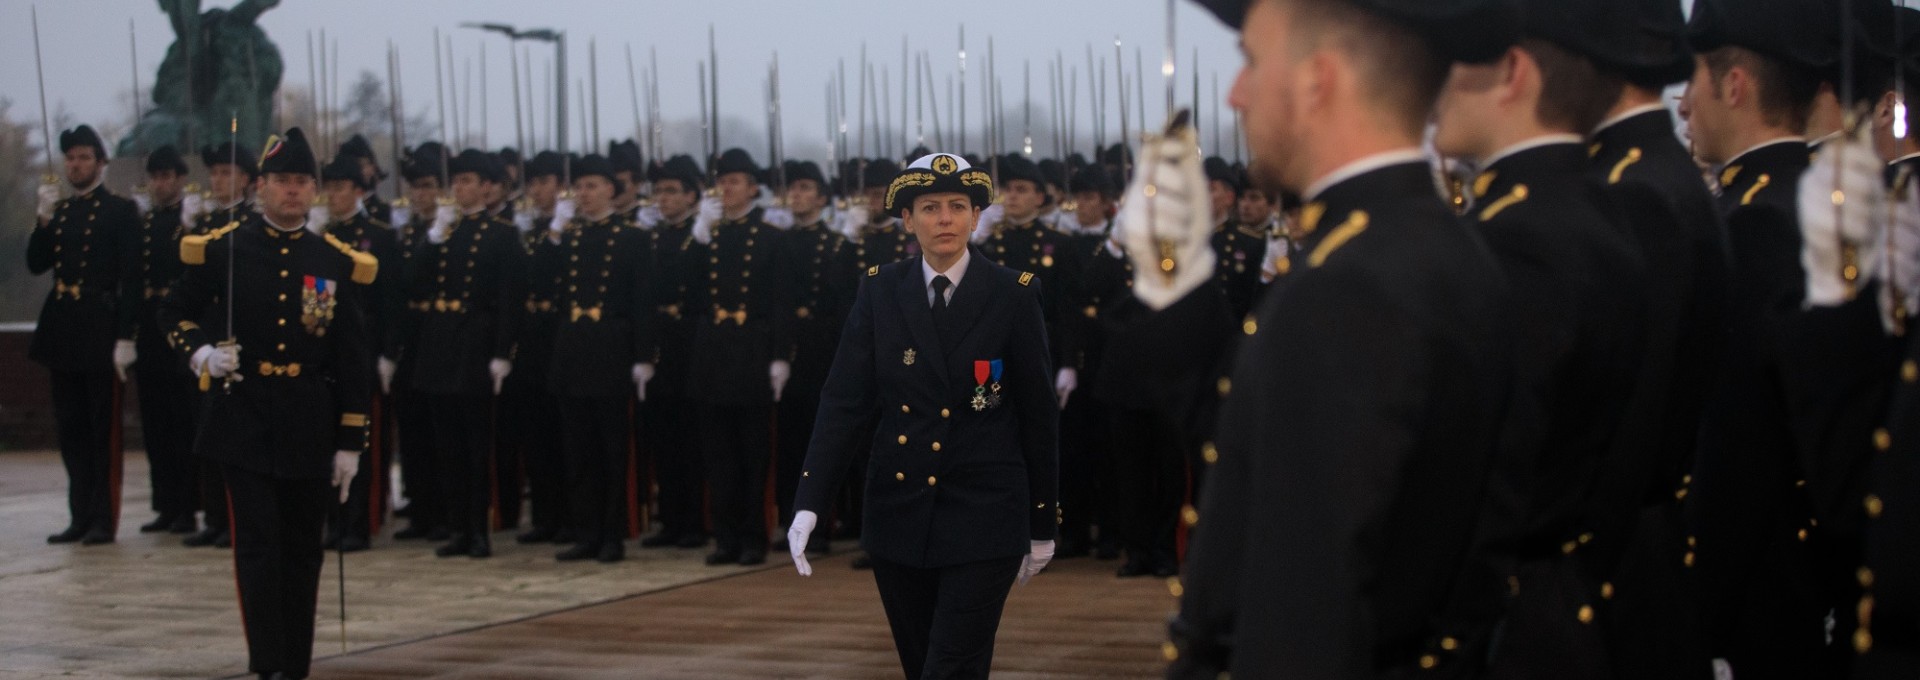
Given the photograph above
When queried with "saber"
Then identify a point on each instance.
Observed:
(653, 99)
(713, 91)
(513, 70)
(341, 550)
(906, 67)
(706, 146)
(1026, 108)
(1120, 86)
(485, 127)
(633, 94)
(593, 88)
(440, 89)
(861, 159)
(1196, 105)
(133, 51)
(1216, 112)
(884, 101)
(962, 127)
(1097, 116)
(1166, 63)
(1140, 90)
(398, 138)
(40, 74)
(779, 136)
(580, 88)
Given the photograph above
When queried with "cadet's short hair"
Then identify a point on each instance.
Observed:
(1783, 91)
(1575, 93)
(1399, 69)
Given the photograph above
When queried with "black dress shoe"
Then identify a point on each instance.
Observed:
(537, 535)
(458, 546)
(583, 551)
(720, 557)
(862, 563)
(353, 544)
(1131, 569)
(158, 524)
(694, 540)
(223, 540)
(440, 534)
(413, 532)
(660, 540)
(751, 558)
(563, 536)
(482, 547)
(68, 535)
(184, 523)
(612, 552)
(97, 537)
(202, 539)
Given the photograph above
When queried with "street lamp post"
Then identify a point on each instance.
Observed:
(559, 41)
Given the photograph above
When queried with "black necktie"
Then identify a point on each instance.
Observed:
(940, 286)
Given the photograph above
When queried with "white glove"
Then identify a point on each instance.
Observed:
(346, 464)
(797, 535)
(1037, 558)
(1850, 168)
(443, 219)
(1064, 382)
(708, 216)
(777, 373)
(989, 217)
(401, 213)
(123, 356)
(191, 208)
(1113, 248)
(317, 218)
(499, 369)
(523, 222)
(385, 368)
(1065, 222)
(1178, 214)
(1270, 264)
(142, 200)
(778, 218)
(642, 374)
(853, 220)
(49, 197)
(215, 361)
(1905, 260)
(648, 217)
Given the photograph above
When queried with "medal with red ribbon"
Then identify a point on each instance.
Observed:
(986, 376)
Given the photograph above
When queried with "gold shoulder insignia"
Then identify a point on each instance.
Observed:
(1620, 169)
(1728, 174)
(1513, 198)
(873, 271)
(1356, 223)
(1593, 150)
(193, 248)
(1026, 278)
(365, 266)
(1759, 183)
(1483, 182)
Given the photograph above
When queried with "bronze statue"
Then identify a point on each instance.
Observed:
(220, 65)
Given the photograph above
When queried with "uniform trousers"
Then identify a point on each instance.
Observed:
(595, 433)
(463, 438)
(276, 562)
(736, 441)
(668, 425)
(944, 619)
(167, 398)
(84, 411)
(419, 482)
(1149, 472)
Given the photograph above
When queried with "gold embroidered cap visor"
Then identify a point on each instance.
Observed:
(939, 173)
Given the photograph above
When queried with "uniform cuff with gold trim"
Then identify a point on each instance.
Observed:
(353, 433)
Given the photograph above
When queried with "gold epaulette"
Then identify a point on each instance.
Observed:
(873, 271)
(193, 249)
(365, 265)
(1026, 278)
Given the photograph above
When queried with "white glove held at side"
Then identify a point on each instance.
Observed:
(642, 374)
(346, 464)
(386, 368)
(499, 368)
(123, 356)
(777, 374)
(1038, 555)
(797, 535)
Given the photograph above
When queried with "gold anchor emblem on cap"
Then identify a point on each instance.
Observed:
(907, 358)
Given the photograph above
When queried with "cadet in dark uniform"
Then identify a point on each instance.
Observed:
(1762, 610)
(530, 415)
(875, 238)
(820, 255)
(231, 170)
(949, 352)
(1086, 449)
(85, 334)
(426, 510)
(167, 394)
(1576, 310)
(1360, 416)
(667, 418)
(602, 356)
(367, 168)
(740, 293)
(1652, 621)
(382, 302)
(469, 279)
(1237, 246)
(629, 169)
(290, 405)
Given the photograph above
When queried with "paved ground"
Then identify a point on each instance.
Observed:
(146, 607)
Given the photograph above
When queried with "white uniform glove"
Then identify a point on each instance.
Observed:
(142, 201)
(523, 221)
(778, 218)
(1905, 260)
(1038, 555)
(983, 230)
(499, 369)
(777, 373)
(443, 218)
(797, 535)
(1850, 168)
(708, 216)
(49, 195)
(123, 356)
(191, 208)
(642, 374)
(1177, 214)
(385, 368)
(346, 464)
(1065, 222)
(853, 220)
(1270, 264)
(401, 214)
(648, 217)
(1064, 383)
(215, 361)
(317, 218)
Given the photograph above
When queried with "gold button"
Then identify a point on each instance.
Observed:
(1606, 591)
(1586, 614)
(1169, 652)
(945, 413)
(1174, 587)
(281, 347)
(1802, 534)
(900, 476)
(283, 322)
(1249, 326)
(1882, 440)
(1189, 515)
(931, 481)
(905, 409)
(1449, 644)
(283, 251)
(283, 273)
(936, 447)
(283, 297)
(903, 439)
(1909, 371)
(1429, 661)
(1865, 576)
(1862, 641)
(1209, 453)
(1224, 386)
(1874, 506)
(1688, 560)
